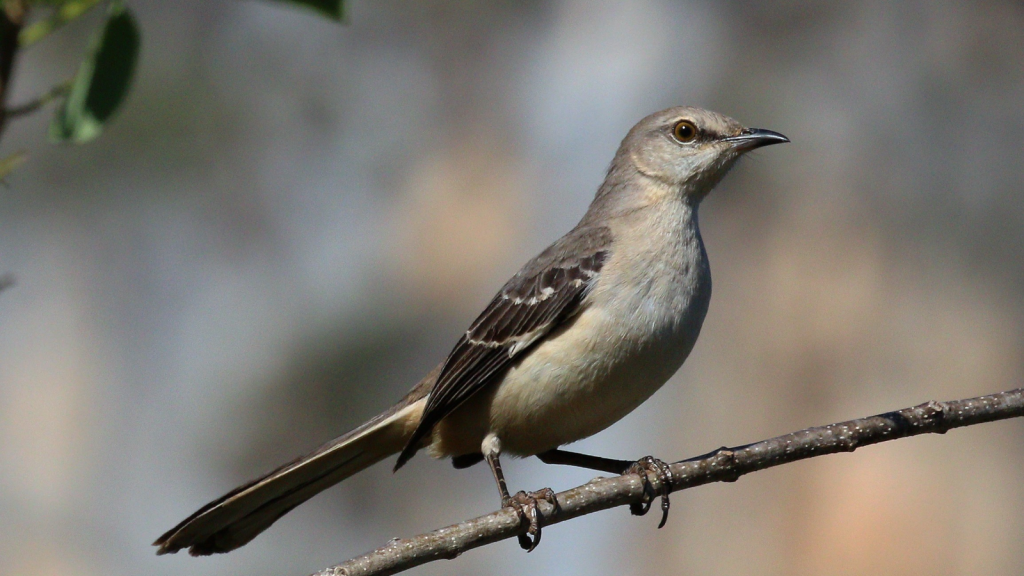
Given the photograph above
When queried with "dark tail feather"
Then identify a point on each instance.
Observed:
(237, 517)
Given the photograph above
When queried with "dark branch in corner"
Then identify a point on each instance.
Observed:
(12, 18)
(724, 465)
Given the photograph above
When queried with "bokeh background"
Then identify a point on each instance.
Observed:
(291, 221)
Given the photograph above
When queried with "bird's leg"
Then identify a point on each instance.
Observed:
(525, 504)
(640, 467)
(568, 458)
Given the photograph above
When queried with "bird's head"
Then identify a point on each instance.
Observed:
(690, 148)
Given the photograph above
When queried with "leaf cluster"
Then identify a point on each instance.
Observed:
(86, 103)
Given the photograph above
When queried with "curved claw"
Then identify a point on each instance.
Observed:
(525, 505)
(664, 474)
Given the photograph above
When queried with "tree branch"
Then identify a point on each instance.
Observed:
(723, 465)
(12, 18)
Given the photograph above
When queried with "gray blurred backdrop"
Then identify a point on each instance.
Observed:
(291, 221)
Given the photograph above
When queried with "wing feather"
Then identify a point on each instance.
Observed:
(549, 290)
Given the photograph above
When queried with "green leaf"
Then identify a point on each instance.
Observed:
(333, 9)
(102, 81)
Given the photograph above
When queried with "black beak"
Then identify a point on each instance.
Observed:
(752, 138)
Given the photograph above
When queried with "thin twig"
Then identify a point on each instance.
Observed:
(62, 15)
(724, 465)
(31, 106)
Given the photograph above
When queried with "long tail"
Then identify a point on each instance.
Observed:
(237, 517)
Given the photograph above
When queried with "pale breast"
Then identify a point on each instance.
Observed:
(619, 351)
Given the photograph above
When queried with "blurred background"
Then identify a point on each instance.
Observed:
(291, 221)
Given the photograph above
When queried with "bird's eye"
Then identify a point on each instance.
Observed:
(684, 131)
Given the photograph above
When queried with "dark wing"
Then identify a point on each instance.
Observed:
(546, 292)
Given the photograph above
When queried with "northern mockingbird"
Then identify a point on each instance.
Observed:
(578, 338)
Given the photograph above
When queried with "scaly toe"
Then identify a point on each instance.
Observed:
(525, 505)
(664, 474)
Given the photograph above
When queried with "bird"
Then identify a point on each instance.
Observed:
(580, 336)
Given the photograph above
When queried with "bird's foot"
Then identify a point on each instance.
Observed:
(525, 504)
(664, 475)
